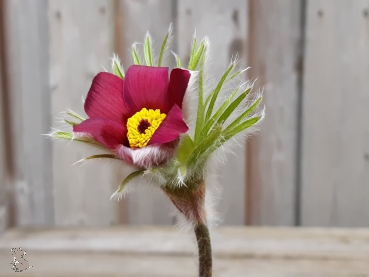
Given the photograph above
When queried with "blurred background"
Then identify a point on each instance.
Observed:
(309, 166)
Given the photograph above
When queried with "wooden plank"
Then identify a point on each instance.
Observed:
(153, 251)
(225, 23)
(81, 43)
(27, 38)
(135, 18)
(229, 242)
(3, 118)
(335, 169)
(274, 60)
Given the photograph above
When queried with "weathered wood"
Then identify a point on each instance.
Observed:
(152, 251)
(81, 44)
(335, 114)
(225, 23)
(27, 42)
(274, 57)
(3, 118)
(146, 205)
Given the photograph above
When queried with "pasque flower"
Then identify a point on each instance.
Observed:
(168, 126)
(137, 117)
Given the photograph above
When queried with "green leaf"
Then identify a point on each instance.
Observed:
(185, 149)
(233, 106)
(71, 122)
(237, 73)
(248, 123)
(75, 115)
(128, 179)
(198, 55)
(217, 114)
(214, 95)
(200, 105)
(163, 45)
(148, 50)
(117, 69)
(243, 115)
(62, 135)
(101, 156)
(136, 58)
(205, 145)
(178, 60)
(193, 51)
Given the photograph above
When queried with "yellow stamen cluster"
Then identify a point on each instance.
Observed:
(142, 126)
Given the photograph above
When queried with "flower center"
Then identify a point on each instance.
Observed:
(142, 126)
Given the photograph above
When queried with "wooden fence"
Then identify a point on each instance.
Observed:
(309, 167)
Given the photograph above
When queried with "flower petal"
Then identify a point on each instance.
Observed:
(146, 87)
(178, 83)
(148, 157)
(106, 131)
(170, 129)
(104, 99)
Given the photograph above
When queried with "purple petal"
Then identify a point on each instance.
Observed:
(146, 87)
(170, 129)
(104, 99)
(106, 131)
(178, 83)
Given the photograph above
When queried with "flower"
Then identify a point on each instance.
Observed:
(140, 117)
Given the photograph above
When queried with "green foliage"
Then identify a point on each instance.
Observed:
(244, 115)
(148, 50)
(178, 60)
(197, 54)
(185, 149)
(117, 68)
(128, 179)
(71, 122)
(62, 135)
(218, 113)
(200, 105)
(164, 45)
(214, 94)
(205, 145)
(135, 56)
(101, 156)
(75, 115)
(244, 125)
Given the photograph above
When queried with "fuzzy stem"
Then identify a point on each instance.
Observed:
(204, 246)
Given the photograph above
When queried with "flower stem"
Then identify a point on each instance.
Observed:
(204, 246)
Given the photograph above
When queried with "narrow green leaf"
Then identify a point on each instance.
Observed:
(71, 122)
(178, 60)
(214, 95)
(75, 115)
(185, 149)
(136, 58)
(241, 127)
(205, 145)
(193, 51)
(164, 44)
(128, 179)
(148, 50)
(62, 135)
(200, 106)
(234, 75)
(197, 56)
(243, 115)
(117, 69)
(233, 106)
(210, 122)
(101, 156)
